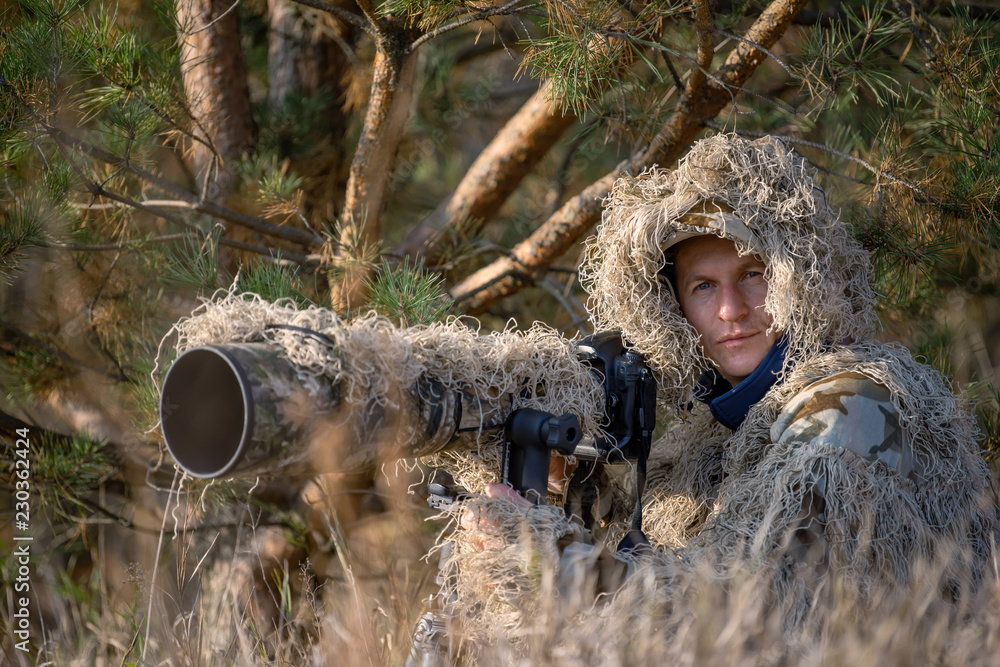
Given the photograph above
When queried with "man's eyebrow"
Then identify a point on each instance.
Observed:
(695, 278)
(747, 262)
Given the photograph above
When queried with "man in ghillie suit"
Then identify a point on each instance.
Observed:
(803, 467)
(798, 450)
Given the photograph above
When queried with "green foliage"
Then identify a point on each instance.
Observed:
(904, 256)
(425, 14)
(22, 230)
(67, 470)
(933, 345)
(588, 47)
(216, 496)
(293, 129)
(145, 396)
(31, 369)
(194, 264)
(275, 281)
(408, 294)
(356, 254)
(277, 187)
(126, 125)
(853, 57)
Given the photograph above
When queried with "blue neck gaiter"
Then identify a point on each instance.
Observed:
(730, 405)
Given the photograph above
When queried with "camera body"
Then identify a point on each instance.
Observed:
(630, 399)
(630, 416)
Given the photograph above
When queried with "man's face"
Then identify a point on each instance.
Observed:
(722, 295)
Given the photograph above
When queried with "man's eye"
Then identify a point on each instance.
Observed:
(701, 287)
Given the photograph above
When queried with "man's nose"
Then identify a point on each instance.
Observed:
(733, 305)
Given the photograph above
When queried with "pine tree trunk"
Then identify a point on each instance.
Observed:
(307, 56)
(216, 87)
(373, 164)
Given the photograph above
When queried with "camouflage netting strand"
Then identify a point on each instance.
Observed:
(370, 359)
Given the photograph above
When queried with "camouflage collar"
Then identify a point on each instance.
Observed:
(730, 405)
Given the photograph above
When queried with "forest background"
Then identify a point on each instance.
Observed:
(420, 159)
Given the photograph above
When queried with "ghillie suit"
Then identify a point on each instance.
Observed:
(854, 472)
(858, 462)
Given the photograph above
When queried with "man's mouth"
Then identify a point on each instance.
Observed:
(736, 339)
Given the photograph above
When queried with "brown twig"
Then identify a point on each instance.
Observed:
(340, 13)
(509, 8)
(193, 201)
(706, 48)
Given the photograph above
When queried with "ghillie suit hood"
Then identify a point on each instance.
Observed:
(761, 195)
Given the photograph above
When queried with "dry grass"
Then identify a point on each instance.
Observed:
(351, 595)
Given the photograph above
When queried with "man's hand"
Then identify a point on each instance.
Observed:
(485, 525)
(560, 472)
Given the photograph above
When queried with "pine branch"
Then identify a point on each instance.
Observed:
(685, 125)
(935, 59)
(879, 173)
(678, 83)
(272, 254)
(706, 48)
(192, 201)
(408, 294)
(512, 7)
(480, 249)
(67, 141)
(530, 259)
(22, 230)
(10, 427)
(268, 252)
(66, 469)
(481, 47)
(366, 8)
(99, 191)
(340, 13)
(12, 334)
(512, 154)
(781, 63)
